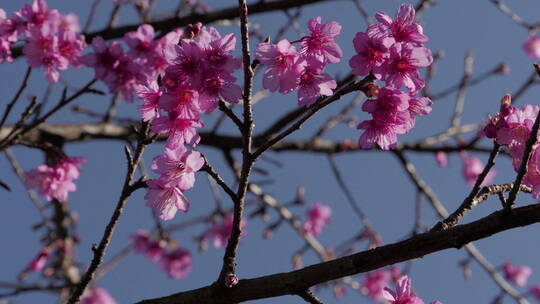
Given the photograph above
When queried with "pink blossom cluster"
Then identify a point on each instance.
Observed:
(289, 69)
(97, 295)
(177, 262)
(200, 74)
(55, 182)
(512, 127)
(220, 232)
(177, 168)
(319, 216)
(52, 39)
(393, 51)
(123, 71)
(472, 167)
(404, 293)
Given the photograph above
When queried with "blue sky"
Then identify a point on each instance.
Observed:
(375, 178)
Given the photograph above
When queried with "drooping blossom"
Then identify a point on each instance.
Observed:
(532, 47)
(177, 167)
(472, 167)
(403, 27)
(403, 293)
(518, 275)
(318, 217)
(374, 284)
(314, 83)
(42, 51)
(119, 71)
(181, 131)
(56, 182)
(150, 94)
(282, 66)
(177, 263)
(40, 260)
(220, 232)
(165, 201)
(97, 295)
(393, 112)
(373, 49)
(401, 69)
(320, 44)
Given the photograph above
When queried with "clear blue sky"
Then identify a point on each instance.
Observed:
(376, 179)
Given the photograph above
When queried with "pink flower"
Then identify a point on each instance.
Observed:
(55, 183)
(140, 240)
(373, 49)
(403, 28)
(42, 51)
(318, 217)
(183, 101)
(320, 44)
(217, 54)
(374, 284)
(177, 263)
(403, 293)
(37, 15)
(166, 201)
(535, 292)
(70, 46)
(393, 113)
(181, 131)
(282, 69)
(518, 275)
(314, 83)
(532, 47)
(120, 72)
(442, 159)
(401, 69)
(472, 167)
(218, 85)
(39, 262)
(177, 167)
(97, 295)
(142, 243)
(151, 95)
(220, 232)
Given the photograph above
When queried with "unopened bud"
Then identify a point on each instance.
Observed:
(503, 68)
(506, 100)
(230, 280)
(192, 31)
(372, 90)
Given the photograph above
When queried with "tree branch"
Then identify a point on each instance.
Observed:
(418, 246)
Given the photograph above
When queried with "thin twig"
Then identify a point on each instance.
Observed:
(470, 201)
(10, 105)
(127, 189)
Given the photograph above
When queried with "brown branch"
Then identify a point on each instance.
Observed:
(309, 297)
(471, 248)
(75, 132)
(515, 17)
(231, 251)
(418, 246)
(127, 189)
